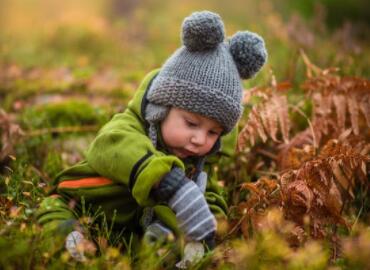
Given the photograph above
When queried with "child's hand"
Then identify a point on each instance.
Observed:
(73, 244)
(158, 232)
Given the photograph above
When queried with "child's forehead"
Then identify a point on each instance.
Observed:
(193, 114)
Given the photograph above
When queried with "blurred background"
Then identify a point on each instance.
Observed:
(132, 37)
(67, 63)
(73, 63)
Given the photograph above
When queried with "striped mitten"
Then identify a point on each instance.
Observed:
(186, 199)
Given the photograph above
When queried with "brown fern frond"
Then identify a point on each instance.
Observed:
(311, 68)
(281, 104)
(292, 157)
(260, 196)
(322, 185)
(321, 167)
(349, 95)
(365, 108)
(249, 93)
(247, 133)
(268, 118)
(321, 105)
(307, 141)
(256, 123)
(342, 180)
(353, 109)
(299, 197)
(308, 196)
(331, 177)
(340, 107)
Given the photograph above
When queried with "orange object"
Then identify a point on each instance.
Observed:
(86, 182)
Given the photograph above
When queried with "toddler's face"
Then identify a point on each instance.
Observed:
(189, 134)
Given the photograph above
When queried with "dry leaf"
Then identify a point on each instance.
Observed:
(340, 108)
(353, 112)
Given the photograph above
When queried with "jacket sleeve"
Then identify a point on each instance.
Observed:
(124, 153)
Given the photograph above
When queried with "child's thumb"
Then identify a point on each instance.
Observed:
(201, 181)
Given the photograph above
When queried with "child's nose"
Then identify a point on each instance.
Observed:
(199, 138)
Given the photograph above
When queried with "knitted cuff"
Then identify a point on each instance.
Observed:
(170, 183)
(69, 225)
(158, 232)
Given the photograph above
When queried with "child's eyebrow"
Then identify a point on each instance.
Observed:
(191, 115)
(217, 129)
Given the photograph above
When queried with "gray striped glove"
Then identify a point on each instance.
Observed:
(186, 199)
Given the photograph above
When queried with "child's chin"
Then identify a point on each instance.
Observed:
(181, 156)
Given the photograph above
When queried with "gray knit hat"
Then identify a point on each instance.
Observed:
(204, 76)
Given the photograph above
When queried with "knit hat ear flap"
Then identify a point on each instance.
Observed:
(154, 114)
(202, 31)
(249, 53)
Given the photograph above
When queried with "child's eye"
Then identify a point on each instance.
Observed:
(190, 123)
(214, 133)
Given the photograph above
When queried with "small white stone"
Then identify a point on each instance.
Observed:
(74, 239)
(193, 253)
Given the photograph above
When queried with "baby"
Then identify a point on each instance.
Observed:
(149, 170)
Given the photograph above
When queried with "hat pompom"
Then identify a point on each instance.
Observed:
(249, 53)
(202, 31)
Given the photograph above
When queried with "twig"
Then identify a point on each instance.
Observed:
(245, 215)
(310, 67)
(42, 175)
(358, 216)
(298, 110)
(240, 220)
(236, 226)
(267, 173)
(266, 153)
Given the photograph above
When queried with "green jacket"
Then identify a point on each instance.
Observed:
(123, 154)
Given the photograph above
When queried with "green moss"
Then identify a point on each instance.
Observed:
(52, 164)
(67, 113)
